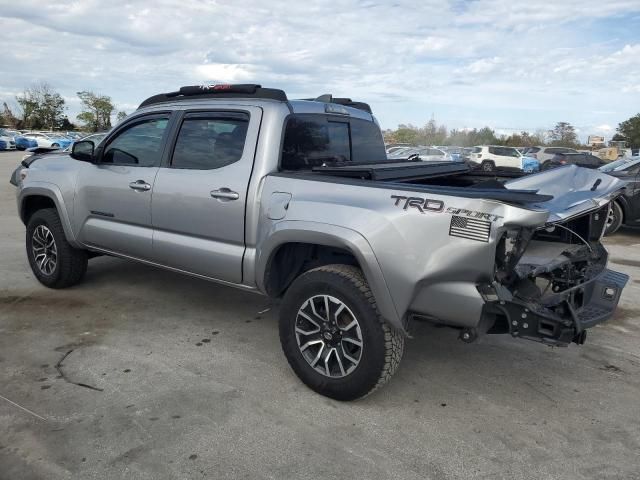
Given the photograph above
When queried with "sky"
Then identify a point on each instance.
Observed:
(509, 64)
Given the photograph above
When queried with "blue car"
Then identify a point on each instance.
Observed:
(22, 143)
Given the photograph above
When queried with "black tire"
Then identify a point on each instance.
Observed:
(382, 346)
(70, 263)
(614, 222)
(488, 166)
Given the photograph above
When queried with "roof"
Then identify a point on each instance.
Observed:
(326, 103)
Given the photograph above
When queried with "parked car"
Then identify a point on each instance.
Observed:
(397, 150)
(314, 214)
(585, 160)
(49, 140)
(8, 143)
(23, 143)
(490, 157)
(455, 152)
(425, 154)
(625, 209)
(546, 153)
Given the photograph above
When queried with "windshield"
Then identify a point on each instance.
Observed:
(620, 165)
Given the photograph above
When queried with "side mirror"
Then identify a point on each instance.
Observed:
(83, 151)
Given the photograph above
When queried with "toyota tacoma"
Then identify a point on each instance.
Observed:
(295, 199)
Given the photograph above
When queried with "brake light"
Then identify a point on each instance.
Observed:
(563, 162)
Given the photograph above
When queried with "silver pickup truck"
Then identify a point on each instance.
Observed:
(295, 199)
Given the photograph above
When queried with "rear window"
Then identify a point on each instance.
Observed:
(312, 140)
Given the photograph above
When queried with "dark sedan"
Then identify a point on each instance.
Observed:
(625, 210)
(580, 159)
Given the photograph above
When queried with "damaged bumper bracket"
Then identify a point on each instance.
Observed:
(559, 318)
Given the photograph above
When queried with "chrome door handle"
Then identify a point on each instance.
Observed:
(225, 194)
(140, 186)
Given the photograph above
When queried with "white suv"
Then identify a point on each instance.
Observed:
(490, 157)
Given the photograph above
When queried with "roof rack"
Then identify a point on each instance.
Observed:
(347, 102)
(246, 90)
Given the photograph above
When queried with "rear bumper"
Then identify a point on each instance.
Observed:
(559, 318)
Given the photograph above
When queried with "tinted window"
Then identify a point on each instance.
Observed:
(509, 152)
(311, 141)
(367, 144)
(209, 142)
(139, 145)
(554, 150)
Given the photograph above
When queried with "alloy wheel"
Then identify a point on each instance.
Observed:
(329, 336)
(45, 252)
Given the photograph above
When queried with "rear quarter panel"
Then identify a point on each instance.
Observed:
(424, 268)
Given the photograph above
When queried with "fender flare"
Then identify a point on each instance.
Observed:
(51, 191)
(289, 231)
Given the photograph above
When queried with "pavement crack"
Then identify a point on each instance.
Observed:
(66, 379)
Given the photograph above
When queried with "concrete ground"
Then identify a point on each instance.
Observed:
(189, 382)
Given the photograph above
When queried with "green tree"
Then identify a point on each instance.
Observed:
(407, 134)
(121, 116)
(563, 135)
(630, 129)
(42, 107)
(96, 111)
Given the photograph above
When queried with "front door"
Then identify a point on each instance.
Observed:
(112, 208)
(199, 198)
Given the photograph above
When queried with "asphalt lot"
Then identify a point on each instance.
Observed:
(192, 384)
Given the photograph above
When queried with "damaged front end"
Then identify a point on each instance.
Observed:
(551, 283)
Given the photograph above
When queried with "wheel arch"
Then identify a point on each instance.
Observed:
(34, 198)
(295, 247)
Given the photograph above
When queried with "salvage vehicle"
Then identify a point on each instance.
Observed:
(625, 209)
(295, 199)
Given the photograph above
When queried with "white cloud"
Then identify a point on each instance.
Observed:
(521, 64)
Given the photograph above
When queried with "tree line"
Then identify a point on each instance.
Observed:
(563, 134)
(40, 107)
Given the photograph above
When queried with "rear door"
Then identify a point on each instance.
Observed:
(199, 196)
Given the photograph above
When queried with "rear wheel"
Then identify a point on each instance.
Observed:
(488, 166)
(333, 336)
(54, 262)
(614, 219)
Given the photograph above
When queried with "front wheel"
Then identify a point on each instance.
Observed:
(333, 335)
(614, 219)
(54, 262)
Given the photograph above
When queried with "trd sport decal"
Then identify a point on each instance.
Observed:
(430, 205)
(420, 204)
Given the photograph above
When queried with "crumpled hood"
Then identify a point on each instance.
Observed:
(575, 190)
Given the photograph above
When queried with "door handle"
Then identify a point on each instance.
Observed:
(225, 194)
(140, 186)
